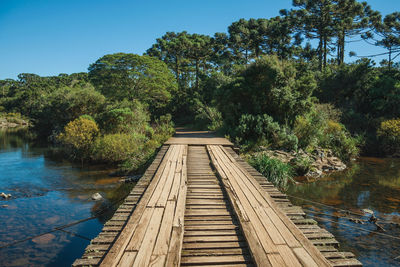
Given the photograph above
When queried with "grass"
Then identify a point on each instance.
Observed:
(276, 171)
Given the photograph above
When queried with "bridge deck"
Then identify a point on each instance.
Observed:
(191, 215)
(185, 137)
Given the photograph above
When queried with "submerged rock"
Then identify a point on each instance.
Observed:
(131, 179)
(4, 195)
(97, 196)
(368, 211)
(44, 239)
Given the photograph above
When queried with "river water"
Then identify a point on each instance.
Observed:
(370, 183)
(48, 193)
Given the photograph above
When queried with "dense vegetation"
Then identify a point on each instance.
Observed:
(262, 83)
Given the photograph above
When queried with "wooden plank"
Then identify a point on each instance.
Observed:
(175, 246)
(304, 257)
(255, 246)
(277, 260)
(288, 256)
(160, 186)
(245, 198)
(316, 255)
(163, 238)
(140, 231)
(116, 251)
(175, 172)
(127, 258)
(146, 246)
(231, 259)
(254, 196)
(212, 252)
(215, 245)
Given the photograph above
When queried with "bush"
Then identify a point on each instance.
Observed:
(163, 128)
(208, 118)
(389, 134)
(262, 130)
(301, 165)
(277, 172)
(125, 117)
(339, 140)
(116, 148)
(78, 136)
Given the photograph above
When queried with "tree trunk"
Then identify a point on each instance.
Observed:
(320, 52)
(197, 74)
(325, 51)
(343, 42)
(177, 69)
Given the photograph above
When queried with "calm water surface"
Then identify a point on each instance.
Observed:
(371, 183)
(45, 194)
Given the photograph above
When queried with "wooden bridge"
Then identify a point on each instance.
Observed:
(200, 204)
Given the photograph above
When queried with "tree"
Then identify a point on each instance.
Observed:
(268, 86)
(351, 18)
(171, 48)
(389, 31)
(66, 104)
(129, 76)
(314, 19)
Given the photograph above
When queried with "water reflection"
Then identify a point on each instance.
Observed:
(45, 194)
(370, 183)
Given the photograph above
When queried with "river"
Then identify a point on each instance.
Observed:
(48, 193)
(370, 183)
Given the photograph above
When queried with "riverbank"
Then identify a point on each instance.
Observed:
(13, 120)
(309, 165)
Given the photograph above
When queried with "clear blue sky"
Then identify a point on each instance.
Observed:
(48, 37)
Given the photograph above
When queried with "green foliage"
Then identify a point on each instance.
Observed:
(366, 95)
(339, 140)
(301, 165)
(164, 128)
(262, 130)
(64, 105)
(124, 117)
(78, 136)
(277, 172)
(389, 134)
(208, 117)
(147, 79)
(118, 147)
(268, 86)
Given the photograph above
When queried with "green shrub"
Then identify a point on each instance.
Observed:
(308, 129)
(262, 130)
(339, 140)
(116, 148)
(389, 134)
(277, 172)
(124, 117)
(208, 117)
(78, 136)
(164, 128)
(88, 117)
(301, 165)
